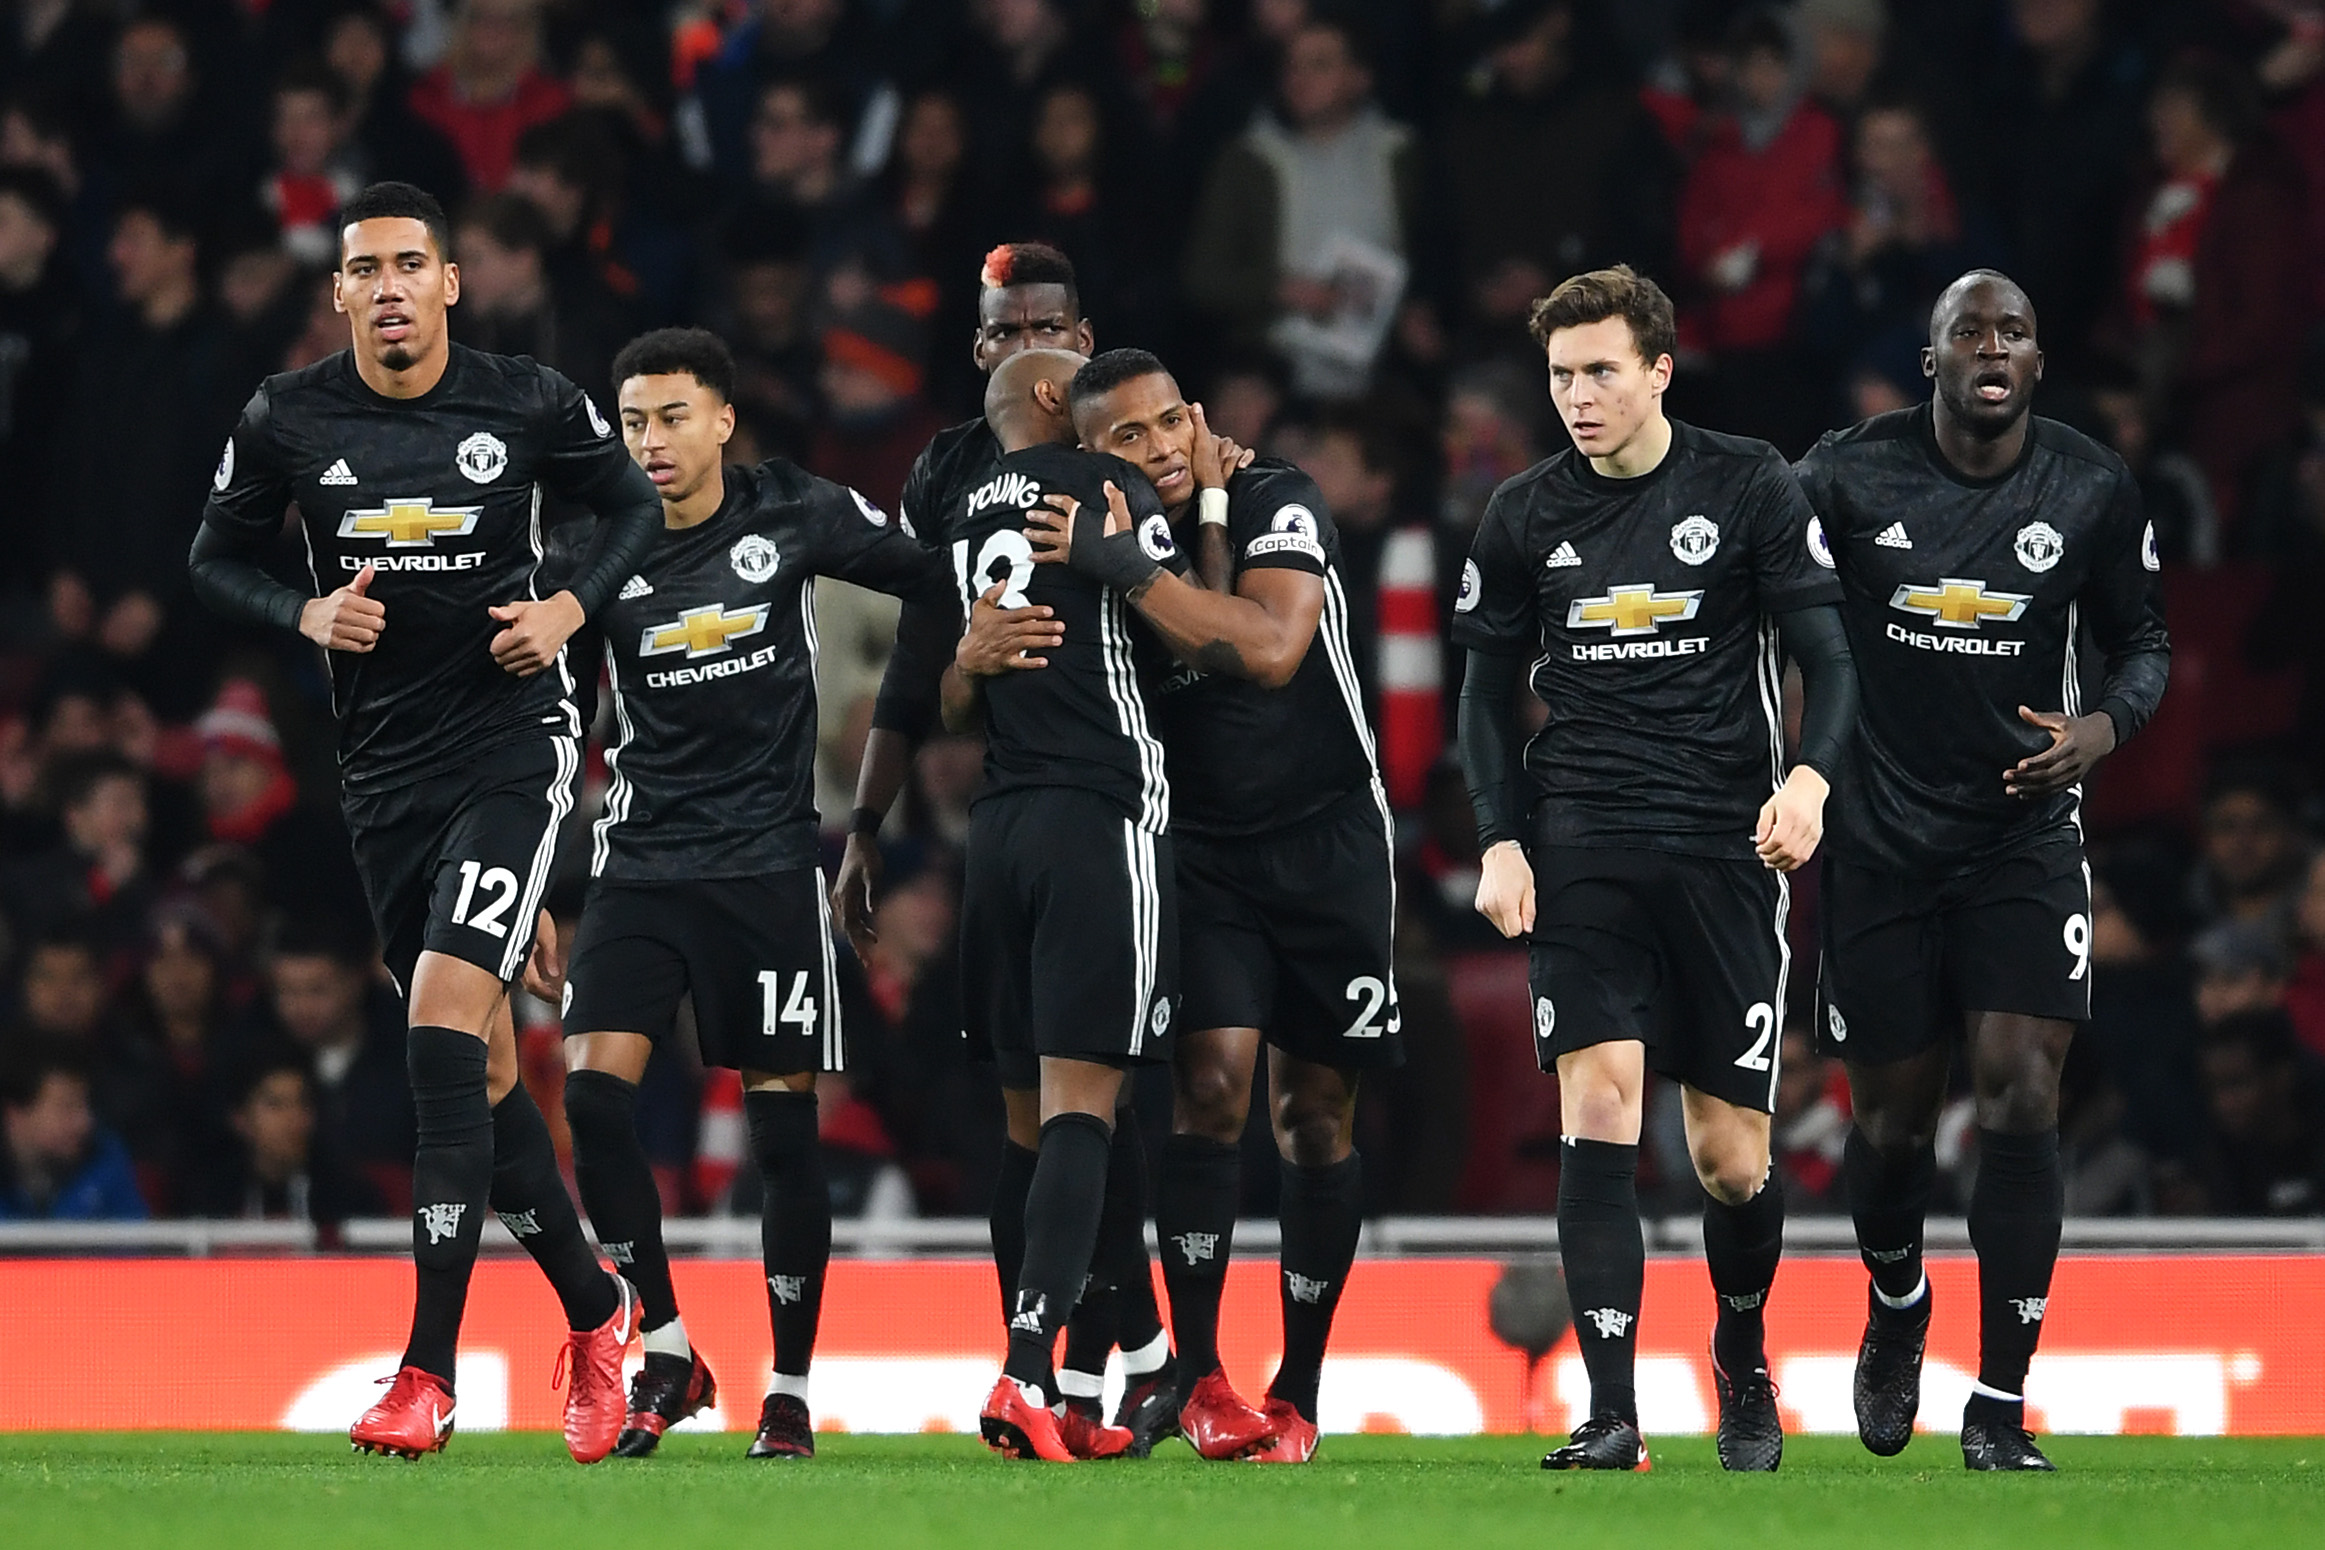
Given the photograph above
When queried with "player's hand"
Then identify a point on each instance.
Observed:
(345, 620)
(1049, 528)
(1216, 457)
(1505, 888)
(1792, 821)
(852, 893)
(1003, 640)
(2077, 743)
(536, 632)
(545, 967)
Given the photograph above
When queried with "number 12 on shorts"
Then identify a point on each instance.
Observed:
(799, 1007)
(499, 887)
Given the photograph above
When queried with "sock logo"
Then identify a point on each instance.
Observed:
(1307, 1289)
(624, 1253)
(1610, 1322)
(1197, 1246)
(2030, 1309)
(441, 1221)
(1887, 1256)
(1032, 1314)
(519, 1223)
(787, 1288)
(1746, 1303)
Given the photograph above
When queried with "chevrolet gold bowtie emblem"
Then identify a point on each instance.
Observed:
(702, 632)
(1960, 604)
(1632, 610)
(410, 524)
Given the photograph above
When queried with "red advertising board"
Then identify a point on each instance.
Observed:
(2193, 1344)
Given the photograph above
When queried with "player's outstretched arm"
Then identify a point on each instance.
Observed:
(1791, 823)
(1488, 741)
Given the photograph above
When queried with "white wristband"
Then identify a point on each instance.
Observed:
(1211, 508)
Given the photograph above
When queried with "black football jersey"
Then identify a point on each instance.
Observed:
(1649, 604)
(442, 495)
(1964, 600)
(710, 653)
(956, 460)
(1084, 721)
(1248, 760)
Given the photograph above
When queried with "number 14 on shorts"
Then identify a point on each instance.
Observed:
(795, 1007)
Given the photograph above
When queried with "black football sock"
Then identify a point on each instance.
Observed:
(529, 1196)
(1196, 1193)
(1604, 1254)
(1889, 1197)
(1741, 1245)
(617, 1185)
(1090, 1336)
(1322, 1211)
(1007, 1218)
(1062, 1207)
(795, 1218)
(2015, 1212)
(1121, 1258)
(451, 1184)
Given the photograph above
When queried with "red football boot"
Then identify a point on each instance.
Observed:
(1017, 1428)
(1220, 1423)
(659, 1400)
(1089, 1437)
(591, 1367)
(1295, 1434)
(414, 1418)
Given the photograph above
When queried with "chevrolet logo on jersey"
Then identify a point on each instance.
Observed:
(411, 524)
(1960, 605)
(1632, 610)
(702, 632)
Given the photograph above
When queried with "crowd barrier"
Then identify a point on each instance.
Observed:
(2190, 1343)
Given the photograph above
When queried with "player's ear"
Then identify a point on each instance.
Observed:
(2038, 365)
(1929, 363)
(1659, 374)
(725, 422)
(451, 282)
(1047, 394)
(338, 292)
(1085, 341)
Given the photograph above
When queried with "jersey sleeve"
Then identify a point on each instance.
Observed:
(2123, 600)
(252, 486)
(1792, 563)
(916, 506)
(1814, 475)
(855, 541)
(1494, 610)
(584, 460)
(1275, 521)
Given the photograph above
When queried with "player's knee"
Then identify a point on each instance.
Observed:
(1731, 1168)
(2024, 1100)
(1311, 1132)
(1211, 1102)
(601, 1110)
(1598, 1111)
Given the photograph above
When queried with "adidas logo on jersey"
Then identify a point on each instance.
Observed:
(1893, 537)
(635, 587)
(338, 473)
(1562, 557)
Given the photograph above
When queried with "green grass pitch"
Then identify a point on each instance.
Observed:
(192, 1492)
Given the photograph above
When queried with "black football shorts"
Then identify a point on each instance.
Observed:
(756, 953)
(1685, 954)
(1907, 958)
(1294, 934)
(1069, 934)
(456, 863)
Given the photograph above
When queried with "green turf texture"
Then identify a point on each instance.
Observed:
(192, 1492)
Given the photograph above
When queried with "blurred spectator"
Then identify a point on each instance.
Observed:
(824, 40)
(2105, 1173)
(1245, 396)
(1303, 236)
(1553, 168)
(768, 285)
(1081, 211)
(2143, 1005)
(311, 177)
(58, 1163)
(2253, 853)
(1810, 1128)
(1843, 40)
(1489, 435)
(97, 877)
(387, 139)
(936, 205)
(39, 317)
(876, 418)
(2172, 485)
(2305, 995)
(173, 1032)
(2264, 1154)
(161, 133)
(507, 306)
(2241, 966)
(272, 1162)
(1015, 53)
(798, 165)
(606, 253)
(1193, 91)
(323, 1000)
(60, 988)
(2217, 280)
(491, 87)
(1761, 196)
(249, 799)
(1447, 859)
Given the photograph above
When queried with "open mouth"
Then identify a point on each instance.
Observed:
(1171, 478)
(661, 471)
(392, 325)
(1993, 387)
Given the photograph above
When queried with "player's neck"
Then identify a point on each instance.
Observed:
(700, 506)
(412, 381)
(1642, 454)
(1974, 456)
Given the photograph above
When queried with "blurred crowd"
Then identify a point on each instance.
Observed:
(1329, 218)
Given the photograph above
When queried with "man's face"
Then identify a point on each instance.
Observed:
(1145, 423)
(1603, 389)
(1322, 80)
(145, 256)
(394, 283)
(63, 992)
(562, 203)
(54, 1128)
(788, 142)
(316, 998)
(26, 240)
(1011, 318)
(110, 815)
(499, 36)
(1357, 493)
(277, 1123)
(1983, 356)
(231, 782)
(356, 50)
(2236, 1090)
(497, 279)
(306, 132)
(2047, 25)
(1535, 58)
(676, 430)
(179, 977)
(2248, 840)
(770, 301)
(1891, 151)
(151, 74)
